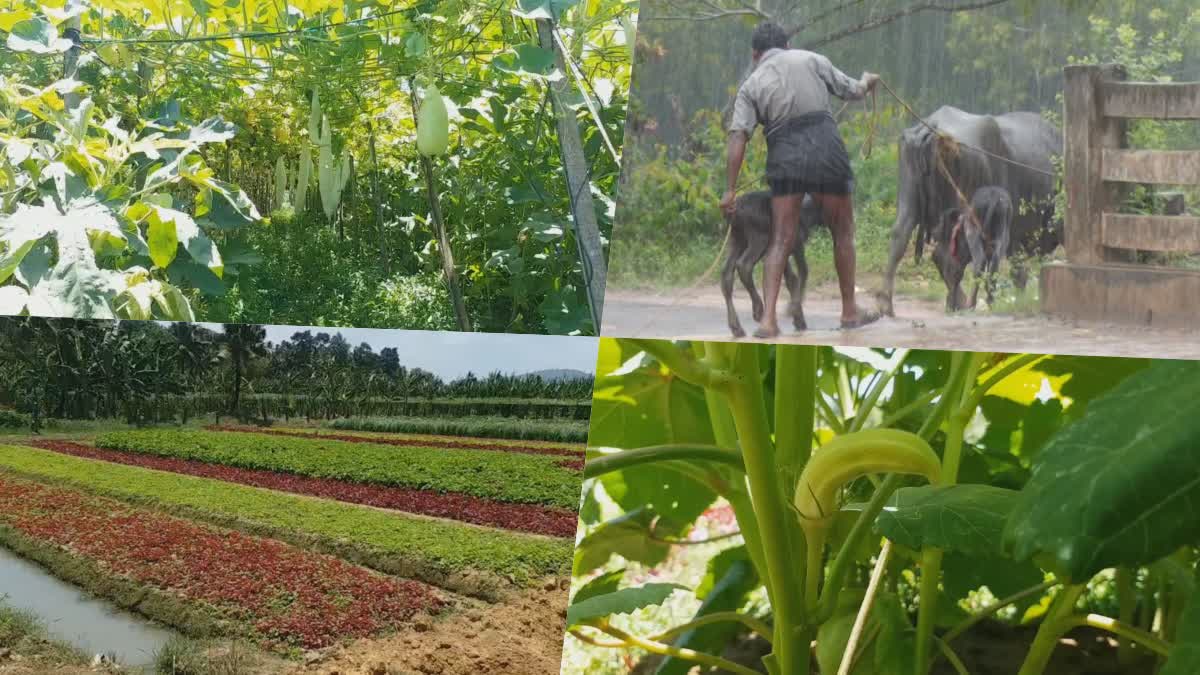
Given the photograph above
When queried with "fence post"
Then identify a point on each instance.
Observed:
(1086, 132)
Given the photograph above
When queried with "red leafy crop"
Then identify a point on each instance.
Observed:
(289, 595)
(533, 518)
(442, 442)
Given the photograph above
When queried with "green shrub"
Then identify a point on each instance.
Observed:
(11, 419)
(519, 478)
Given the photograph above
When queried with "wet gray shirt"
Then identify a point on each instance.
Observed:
(787, 83)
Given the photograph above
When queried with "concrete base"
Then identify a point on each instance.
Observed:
(1125, 294)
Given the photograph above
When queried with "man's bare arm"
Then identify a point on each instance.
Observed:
(842, 85)
(735, 154)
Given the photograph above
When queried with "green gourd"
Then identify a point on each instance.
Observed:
(433, 124)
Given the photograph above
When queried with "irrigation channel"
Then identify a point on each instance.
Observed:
(71, 615)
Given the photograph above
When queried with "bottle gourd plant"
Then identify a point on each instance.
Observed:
(107, 218)
(845, 466)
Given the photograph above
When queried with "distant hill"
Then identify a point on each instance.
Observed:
(560, 374)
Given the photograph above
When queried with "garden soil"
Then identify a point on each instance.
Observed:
(521, 636)
(700, 315)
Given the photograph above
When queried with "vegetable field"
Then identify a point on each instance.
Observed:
(285, 542)
(443, 165)
(904, 511)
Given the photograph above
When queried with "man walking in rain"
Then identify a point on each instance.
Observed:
(788, 94)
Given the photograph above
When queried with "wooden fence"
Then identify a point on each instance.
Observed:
(1101, 279)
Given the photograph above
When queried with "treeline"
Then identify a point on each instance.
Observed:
(150, 372)
(1008, 56)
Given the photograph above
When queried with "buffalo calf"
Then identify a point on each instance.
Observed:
(977, 236)
(749, 237)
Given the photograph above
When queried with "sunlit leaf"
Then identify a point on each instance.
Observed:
(1087, 505)
(38, 36)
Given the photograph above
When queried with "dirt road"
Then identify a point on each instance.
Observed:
(918, 323)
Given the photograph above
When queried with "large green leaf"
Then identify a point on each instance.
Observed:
(642, 405)
(730, 577)
(606, 583)
(167, 228)
(528, 59)
(542, 9)
(1120, 486)
(627, 536)
(1185, 653)
(967, 519)
(623, 601)
(38, 36)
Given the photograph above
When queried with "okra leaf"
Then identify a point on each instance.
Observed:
(623, 601)
(636, 403)
(627, 535)
(601, 585)
(1120, 486)
(966, 519)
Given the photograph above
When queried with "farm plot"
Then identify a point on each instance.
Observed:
(463, 558)
(420, 440)
(504, 477)
(532, 518)
(200, 575)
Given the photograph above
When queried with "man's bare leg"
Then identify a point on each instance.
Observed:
(785, 214)
(839, 214)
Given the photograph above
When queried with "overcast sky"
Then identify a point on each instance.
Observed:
(450, 355)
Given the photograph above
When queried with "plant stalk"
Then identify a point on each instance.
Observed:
(956, 397)
(725, 433)
(1127, 604)
(991, 609)
(598, 466)
(750, 417)
(1047, 636)
(683, 364)
(628, 639)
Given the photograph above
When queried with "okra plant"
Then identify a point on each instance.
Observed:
(878, 492)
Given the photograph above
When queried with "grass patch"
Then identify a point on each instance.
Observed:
(462, 558)
(24, 634)
(506, 477)
(183, 655)
(556, 430)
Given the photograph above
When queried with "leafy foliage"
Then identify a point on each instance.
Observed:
(1087, 504)
(94, 214)
(1049, 464)
(330, 89)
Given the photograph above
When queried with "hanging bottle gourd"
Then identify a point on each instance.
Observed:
(304, 172)
(282, 195)
(433, 124)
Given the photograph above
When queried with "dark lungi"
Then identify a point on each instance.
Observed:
(805, 154)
